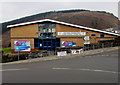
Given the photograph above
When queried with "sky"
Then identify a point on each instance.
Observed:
(15, 9)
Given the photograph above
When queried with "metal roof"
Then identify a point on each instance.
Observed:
(64, 23)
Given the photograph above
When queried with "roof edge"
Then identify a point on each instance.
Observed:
(64, 23)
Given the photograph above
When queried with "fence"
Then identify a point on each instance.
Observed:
(101, 44)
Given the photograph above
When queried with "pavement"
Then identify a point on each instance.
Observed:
(55, 57)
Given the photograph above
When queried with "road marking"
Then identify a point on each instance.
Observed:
(14, 69)
(61, 68)
(101, 55)
(95, 70)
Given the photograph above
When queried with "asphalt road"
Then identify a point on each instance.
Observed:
(97, 68)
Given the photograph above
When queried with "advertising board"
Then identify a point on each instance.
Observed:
(22, 46)
(68, 43)
(77, 51)
(71, 33)
(62, 53)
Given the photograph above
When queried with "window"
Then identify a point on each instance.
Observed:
(47, 29)
(40, 27)
(53, 25)
(53, 29)
(43, 30)
(49, 44)
(101, 35)
(53, 34)
(93, 34)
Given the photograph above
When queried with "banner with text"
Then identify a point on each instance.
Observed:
(22, 45)
(62, 53)
(71, 33)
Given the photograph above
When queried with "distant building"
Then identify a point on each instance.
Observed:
(114, 30)
(48, 34)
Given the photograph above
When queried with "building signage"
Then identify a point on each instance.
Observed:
(77, 51)
(22, 45)
(86, 42)
(68, 43)
(86, 38)
(62, 53)
(71, 33)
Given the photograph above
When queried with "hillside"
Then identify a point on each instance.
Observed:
(94, 19)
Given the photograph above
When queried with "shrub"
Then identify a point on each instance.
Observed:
(6, 50)
(13, 57)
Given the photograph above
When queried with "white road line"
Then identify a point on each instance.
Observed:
(95, 70)
(61, 68)
(14, 69)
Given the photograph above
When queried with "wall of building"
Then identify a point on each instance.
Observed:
(95, 39)
(24, 31)
(63, 28)
(29, 32)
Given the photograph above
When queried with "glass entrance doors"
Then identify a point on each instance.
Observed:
(47, 44)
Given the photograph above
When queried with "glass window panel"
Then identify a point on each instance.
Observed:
(40, 25)
(49, 43)
(49, 30)
(45, 43)
(93, 34)
(101, 35)
(49, 25)
(53, 34)
(40, 30)
(53, 26)
(44, 30)
(53, 30)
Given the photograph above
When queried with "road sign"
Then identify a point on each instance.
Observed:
(86, 38)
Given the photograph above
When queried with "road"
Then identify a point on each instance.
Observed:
(97, 68)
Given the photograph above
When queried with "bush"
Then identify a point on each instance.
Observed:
(23, 56)
(9, 58)
(13, 57)
(6, 50)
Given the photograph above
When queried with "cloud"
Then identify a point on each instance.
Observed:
(59, 1)
(13, 10)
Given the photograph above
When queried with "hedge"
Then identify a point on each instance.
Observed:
(6, 50)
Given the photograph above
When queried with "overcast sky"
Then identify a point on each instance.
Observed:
(10, 9)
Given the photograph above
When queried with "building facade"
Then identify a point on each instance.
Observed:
(48, 34)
